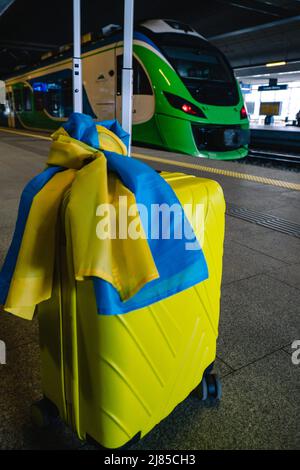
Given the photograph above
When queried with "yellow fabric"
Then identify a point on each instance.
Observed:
(68, 152)
(32, 278)
(126, 263)
(108, 141)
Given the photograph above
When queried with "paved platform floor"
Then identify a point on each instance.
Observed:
(260, 317)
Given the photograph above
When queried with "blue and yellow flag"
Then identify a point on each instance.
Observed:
(89, 160)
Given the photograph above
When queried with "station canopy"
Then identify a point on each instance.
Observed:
(250, 32)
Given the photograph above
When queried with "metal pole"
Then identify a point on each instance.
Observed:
(127, 73)
(77, 72)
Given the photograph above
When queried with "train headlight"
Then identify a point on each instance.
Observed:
(184, 105)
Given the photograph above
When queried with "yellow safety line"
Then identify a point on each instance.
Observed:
(219, 171)
(27, 134)
(194, 166)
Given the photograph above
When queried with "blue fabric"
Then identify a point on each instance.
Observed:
(30, 190)
(109, 303)
(82, 127)
(178, 268)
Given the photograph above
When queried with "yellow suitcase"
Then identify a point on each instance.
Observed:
(112, 378)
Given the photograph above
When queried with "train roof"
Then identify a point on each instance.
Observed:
(169, 26)
(64, 53)
(146, 30)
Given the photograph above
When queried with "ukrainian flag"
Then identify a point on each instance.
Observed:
(89, 160)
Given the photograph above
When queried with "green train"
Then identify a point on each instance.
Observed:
(185, 96)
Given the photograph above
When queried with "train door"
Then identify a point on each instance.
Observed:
(99, 80)
(10, 107)
(143, 105)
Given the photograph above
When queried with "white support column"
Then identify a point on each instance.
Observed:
(77, 72)
(127, 73)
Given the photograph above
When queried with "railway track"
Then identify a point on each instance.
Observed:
(268, 156)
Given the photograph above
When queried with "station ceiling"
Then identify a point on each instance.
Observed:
(250, 32)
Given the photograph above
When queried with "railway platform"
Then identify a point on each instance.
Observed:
(276, 138)
(259, 312)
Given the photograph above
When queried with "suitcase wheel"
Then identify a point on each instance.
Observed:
(214, 386)
(43, 413)
(210, 388)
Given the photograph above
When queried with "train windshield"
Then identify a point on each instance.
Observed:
(203, 69)
(198, 64)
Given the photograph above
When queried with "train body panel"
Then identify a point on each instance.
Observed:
(167, 111)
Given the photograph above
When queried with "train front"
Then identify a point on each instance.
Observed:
(199, 108)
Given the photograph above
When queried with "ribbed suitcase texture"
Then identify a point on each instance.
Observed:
(113, 377)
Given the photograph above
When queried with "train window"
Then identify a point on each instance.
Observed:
(27, 99)
(39, 100)
(67, 96)
(53, 101)
(39, 89)
(55, 96)
(9, 100)
(18, 96)
(141, 84)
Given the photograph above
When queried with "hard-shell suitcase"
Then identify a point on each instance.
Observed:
(112, 378)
